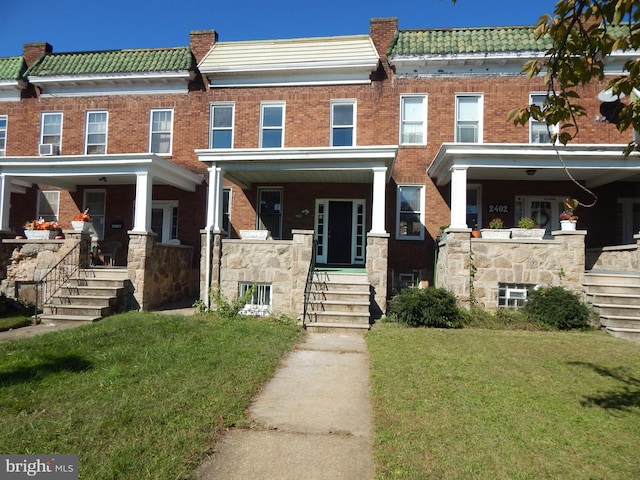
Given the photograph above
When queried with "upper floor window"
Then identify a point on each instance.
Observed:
(221, 126)
(161, 130)
(51, 132)
(271, 125)
(343, 123)
(96, 135)
(413, 120)
(3, 135)
(538, 131)
(410, 212)
(468, 118)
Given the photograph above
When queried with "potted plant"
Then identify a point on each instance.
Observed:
(568, 219)
(41, 229)
(526, 229)
(496, 229)
(82, 221)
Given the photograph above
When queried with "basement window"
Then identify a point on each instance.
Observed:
(513, 295)
(259, 303)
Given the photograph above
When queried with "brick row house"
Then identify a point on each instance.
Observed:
(253, 162)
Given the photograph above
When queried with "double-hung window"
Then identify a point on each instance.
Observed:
(161, 128)
(538, 131)
(3, 135)
(48, 205)
(468, 118)
(343, 123)
(413, 120)
(410, 212)
(221, 125)
(96, 134)
(272, 125)
(51, 131)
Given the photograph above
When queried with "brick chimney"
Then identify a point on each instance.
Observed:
(33, 51)
(382, 31)
(201, 42)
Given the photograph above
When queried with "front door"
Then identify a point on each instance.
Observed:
(339, 226)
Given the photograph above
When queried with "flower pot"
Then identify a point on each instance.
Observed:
(568, 225)
(81, 226)
(536, 233)
(495, 233)
(40, 234)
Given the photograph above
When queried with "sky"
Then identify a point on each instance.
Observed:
(79, 25)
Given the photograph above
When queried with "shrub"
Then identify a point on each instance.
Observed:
(429, 307)
(557, 308)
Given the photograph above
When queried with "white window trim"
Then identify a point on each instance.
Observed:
(233, 121)
(86, 130)
(422, 212)
(553, 129)
(57, 204)
(151, 132)
(480, 97)
(3, 150)
(344, 101)
(46, 114)
(262, 127)
(259, 308)
(424, 118)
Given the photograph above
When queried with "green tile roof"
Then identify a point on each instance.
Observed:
(466, 41)
(12, 68)
(114, 61)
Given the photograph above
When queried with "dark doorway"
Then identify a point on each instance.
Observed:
(340, 232)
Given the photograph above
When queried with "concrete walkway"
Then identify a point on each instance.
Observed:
(311, 421)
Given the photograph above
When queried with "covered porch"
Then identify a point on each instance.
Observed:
(146, 261)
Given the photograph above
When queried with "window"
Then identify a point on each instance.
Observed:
(343, 123)
(226, 210)
(627, 220)
(413, 115)
(513, 295)
(221, 126)
(95, 201)
(272, 125)
(160, 134)
(164, 220)
(51, 130)
(96, 135)
(474, 212)
(259, 302)
(538, 132)
(270, 211)
(48, 205)
(410, 212)
(468, 119)
(3, 135)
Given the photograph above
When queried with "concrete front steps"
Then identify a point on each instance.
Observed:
(89, 296)
(615, 296)
(339, 300)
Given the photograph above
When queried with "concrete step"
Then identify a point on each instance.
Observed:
(340, 306)
(619, 321)
(612, 309)
(338, 296)
(612, 288)
(609, 278)
(632, 334)
(77, 310)
(340, 277)
(346, 327)
(333, 316)
(613, 299)
(85, 300)
(58, 319)
(93, 290)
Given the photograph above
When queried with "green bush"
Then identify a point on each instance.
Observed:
(429, 307)
(557, 308)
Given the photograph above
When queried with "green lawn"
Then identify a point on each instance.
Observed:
(138, 395)
(480, 404)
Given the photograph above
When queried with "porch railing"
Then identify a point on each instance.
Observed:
(58, 275)
(307, 287)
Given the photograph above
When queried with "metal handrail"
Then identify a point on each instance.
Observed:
(58, 275)
(307, 287)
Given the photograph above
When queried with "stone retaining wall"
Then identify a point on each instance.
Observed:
(472, 268)
(620, 258)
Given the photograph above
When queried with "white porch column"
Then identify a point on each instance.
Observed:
(459, 197)
(214, 199)
(142, 212)
(379, 199)
(5, 202)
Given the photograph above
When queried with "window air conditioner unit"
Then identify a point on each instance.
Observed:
(48, 149)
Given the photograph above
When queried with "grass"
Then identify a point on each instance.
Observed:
(14, 319)
(481, 404)
(138, 395)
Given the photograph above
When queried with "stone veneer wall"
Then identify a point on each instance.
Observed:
(378, 271)
(471, 268)
(621, 258)
(281, 263)
(159, 273)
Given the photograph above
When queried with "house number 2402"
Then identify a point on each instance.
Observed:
(493, 208)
